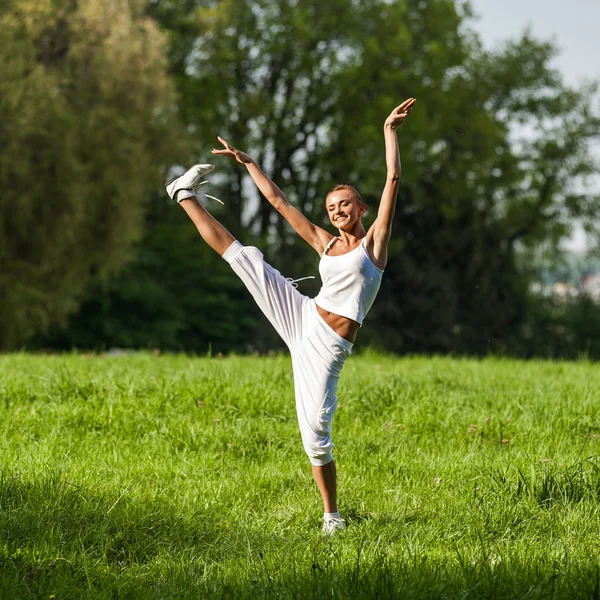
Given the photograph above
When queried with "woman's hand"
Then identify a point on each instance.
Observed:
(399, 114)
(232, 152)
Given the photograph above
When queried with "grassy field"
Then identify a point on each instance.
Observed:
(177, 477)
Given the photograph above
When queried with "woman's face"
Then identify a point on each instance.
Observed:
(344, 209)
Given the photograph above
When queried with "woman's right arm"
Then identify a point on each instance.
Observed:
(315, 236)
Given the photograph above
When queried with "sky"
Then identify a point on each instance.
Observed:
(574, 25)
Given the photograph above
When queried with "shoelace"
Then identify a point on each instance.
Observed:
(199, 191)
(294, 282)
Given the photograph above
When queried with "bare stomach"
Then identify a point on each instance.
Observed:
(343, 326)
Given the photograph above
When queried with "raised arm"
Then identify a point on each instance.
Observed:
(381, 230)
(317, 237)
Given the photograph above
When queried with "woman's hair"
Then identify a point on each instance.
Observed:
(346, 186)
(350, 188)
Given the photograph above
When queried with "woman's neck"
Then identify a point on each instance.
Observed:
(352, 237)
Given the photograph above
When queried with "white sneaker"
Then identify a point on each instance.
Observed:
(333, 524)
(185, 186)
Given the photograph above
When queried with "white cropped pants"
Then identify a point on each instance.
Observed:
(318, 352)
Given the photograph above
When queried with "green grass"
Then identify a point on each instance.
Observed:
(177, 477)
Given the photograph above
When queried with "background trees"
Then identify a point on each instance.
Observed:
(85, 124)
(495, 159)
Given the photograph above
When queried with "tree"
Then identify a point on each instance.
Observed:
(506, 174)
(86, 120)
(177, 295)
(494, 154)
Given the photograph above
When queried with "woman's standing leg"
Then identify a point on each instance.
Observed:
(326, 478)
(318, 359)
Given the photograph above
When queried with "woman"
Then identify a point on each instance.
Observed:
(319, 332)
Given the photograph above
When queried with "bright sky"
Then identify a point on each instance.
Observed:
(574, 25)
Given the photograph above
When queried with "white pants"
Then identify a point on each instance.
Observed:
(318, 352)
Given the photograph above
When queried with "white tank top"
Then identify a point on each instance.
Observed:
(350, 282)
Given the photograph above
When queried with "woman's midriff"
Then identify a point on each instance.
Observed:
(343, 326)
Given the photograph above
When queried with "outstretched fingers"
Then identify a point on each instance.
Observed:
(228, 151)
(401, 112)
(406, 106)
(231, 152)
(224, 142)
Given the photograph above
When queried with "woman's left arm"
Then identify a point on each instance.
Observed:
(381, 230)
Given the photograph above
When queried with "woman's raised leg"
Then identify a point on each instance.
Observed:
(212, 232)
(183, 189)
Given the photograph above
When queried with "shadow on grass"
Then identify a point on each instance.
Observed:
(427, 580)
(70, 542)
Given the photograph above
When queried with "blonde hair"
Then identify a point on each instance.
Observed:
(345, 186)
(349, 188)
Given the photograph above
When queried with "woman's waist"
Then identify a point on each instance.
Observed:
(343, 326)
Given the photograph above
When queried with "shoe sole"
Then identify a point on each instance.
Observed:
(205, 169)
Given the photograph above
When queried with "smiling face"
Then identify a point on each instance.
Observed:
(344, 207)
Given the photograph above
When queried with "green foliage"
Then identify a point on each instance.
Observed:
(495, 163)
(171, 477)
(495, 154)
(85, 123)
(177, 295)
(558, 327)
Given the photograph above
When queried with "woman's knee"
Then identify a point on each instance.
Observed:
(318, 448)
(316, 431)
